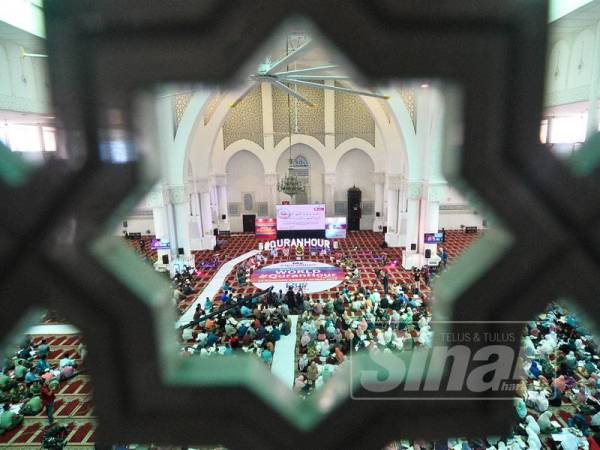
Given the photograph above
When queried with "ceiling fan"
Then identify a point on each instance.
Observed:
(281, 77)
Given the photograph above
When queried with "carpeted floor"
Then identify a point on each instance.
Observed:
(73, 407)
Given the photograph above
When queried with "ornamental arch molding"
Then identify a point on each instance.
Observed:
(220, 159)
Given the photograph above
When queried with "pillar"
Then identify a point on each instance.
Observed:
(158, 201)
(271, 185)
(208, 238)
(412, 223)
(161, 229)
(221, 202)
(378, 222)
(179, 200)
(195, 221)
(329, 181)
(394, 184)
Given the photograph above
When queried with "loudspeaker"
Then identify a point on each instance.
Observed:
(377, 214)
(124, 224)
(180, 251)
(384, 229)
(413, 247)
(428, 253)
(223, 216)
(216, 231)
(165, 259)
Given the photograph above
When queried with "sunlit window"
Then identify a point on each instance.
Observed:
(49, 135)
(568, 129)
(544, 131)
(24, 138)
(28, 138)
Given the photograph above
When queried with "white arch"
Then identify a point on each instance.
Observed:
(245, 150)
(197, 141)
(221, 159)
(334, 158)
(403, 131)
(309, 141)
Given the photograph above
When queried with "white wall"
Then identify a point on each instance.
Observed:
(569, 71)
(452, 220)
(136, 224)
(316, 170)
(23, 81)
(245, 173)
(356, 168)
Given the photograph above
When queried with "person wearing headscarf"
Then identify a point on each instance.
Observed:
(521, 409)
(312, 373)
(544, 422)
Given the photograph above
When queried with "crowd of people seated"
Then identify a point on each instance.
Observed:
(183, 283)
(28, 383)
(558, 404)
(363, 320)
(236, 324)
(562, 380)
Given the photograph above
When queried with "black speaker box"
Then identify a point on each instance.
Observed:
(428, 253)
(377, 214)
(384, 229)
(216, 231)
(223, 216)
(413, 246)
(180, 251)
(124, 224)
(165, 259)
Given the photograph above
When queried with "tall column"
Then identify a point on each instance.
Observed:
(158, 200)
(329, 181)
(221, 191)
(435, 195)
(392, 237)
(412, 220)
(271, 184)
(379, 184)
(195, 221)
(208, 238)
(181, 215)
(161, 228)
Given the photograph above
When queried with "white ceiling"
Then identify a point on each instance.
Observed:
(22, 38)
(578, 20)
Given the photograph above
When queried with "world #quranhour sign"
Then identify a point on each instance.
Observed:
(306, 275)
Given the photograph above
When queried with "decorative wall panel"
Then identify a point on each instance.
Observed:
(340, 208)
(310, 120)
(262, 209)
(368, 208)
(352, 119)
(234, 208)
(181, 103)
(245, 120)
(408, 97)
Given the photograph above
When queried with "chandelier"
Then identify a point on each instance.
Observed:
(290, 184)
